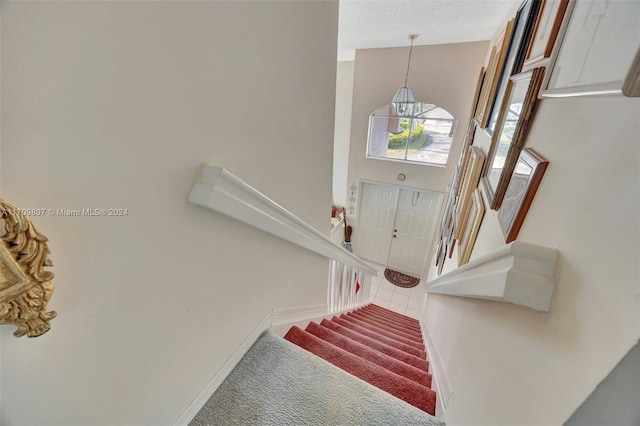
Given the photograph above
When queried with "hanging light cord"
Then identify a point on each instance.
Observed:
(406, 76)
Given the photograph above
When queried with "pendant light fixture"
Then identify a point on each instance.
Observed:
(403, 101)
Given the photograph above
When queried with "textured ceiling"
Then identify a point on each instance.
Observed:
(366, 24)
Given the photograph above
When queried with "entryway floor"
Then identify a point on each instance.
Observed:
(406, 301)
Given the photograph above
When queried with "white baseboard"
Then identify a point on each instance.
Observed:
(196, 405)
(441, 383)
(299, 313)
(285, 318)
(277, 317)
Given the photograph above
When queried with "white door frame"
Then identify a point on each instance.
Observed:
(355, 236)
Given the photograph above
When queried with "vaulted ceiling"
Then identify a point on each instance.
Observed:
(366, 24)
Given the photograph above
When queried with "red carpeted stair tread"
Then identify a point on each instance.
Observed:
(377, 345)
(393, 320)
(402, 331)
(380, 330)
(364, 352)
(390, 328)
(350, 325)
(415, 394)
(389, 322)
(392, 314)
(394, 328)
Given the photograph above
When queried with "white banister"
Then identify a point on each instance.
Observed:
(518, 273)
(345, 287)
(337, 231)
(220, 190)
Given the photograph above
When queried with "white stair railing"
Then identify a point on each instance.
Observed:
(345, 286)
(220, 190)
(518, 273)
(345, 282)
(337, 232)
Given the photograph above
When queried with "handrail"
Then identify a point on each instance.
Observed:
(518, 273)
(345, 285)
(337, 232)
(220, 190)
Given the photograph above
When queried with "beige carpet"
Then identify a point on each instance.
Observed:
(280, 384)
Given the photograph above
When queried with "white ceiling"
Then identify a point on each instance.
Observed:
(366, 24)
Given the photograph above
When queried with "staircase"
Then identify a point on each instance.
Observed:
(377, 345)
(304, 383)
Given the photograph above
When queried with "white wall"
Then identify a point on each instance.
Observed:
(509, 365)
(118, 104)
(615, 400)
(342, 132)
(445, 75)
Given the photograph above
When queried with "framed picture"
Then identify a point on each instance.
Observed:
(471, 227)
(455, 183)
(492, 75)
(446, 223)
(476, 96)
(598, 45)
(442, 251)
(631, 84)
(520, 36)
(510, 135)
(545, 31)
(448, 208)
(471, 125)
(464, 159)
(522, 188)
(452, 241)
(438, 252)
(482, 99)
(469, 184)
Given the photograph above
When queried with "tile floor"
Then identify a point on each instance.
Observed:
(406, 301)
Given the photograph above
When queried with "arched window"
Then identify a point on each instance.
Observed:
(425, 137)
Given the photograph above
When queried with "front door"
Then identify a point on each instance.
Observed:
(413, 230)
(377, 215)
(396, 226)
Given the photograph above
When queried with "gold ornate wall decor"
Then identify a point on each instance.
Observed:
(25, 287)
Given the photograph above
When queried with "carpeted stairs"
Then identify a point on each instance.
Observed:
(277, 383)
(377, 345)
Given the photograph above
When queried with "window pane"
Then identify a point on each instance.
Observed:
(388, 137)
(425, 138)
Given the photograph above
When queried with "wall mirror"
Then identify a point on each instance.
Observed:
(509, 137)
